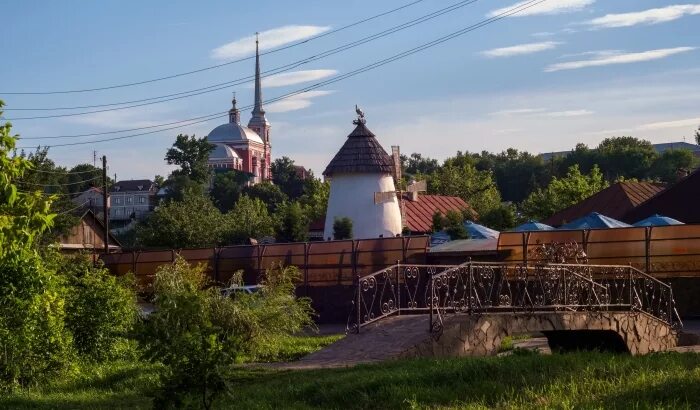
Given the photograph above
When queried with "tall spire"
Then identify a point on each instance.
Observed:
(257, 109)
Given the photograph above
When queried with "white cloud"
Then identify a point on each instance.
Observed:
(296, 77)
(688, 122)
(520, 49)
(598, 53)
(546, 7)
(651, 16)
(117, 119)
(569, 113)
(518, 111)
(296, 102)
(268, 39)
(543, 34)
(619, 59)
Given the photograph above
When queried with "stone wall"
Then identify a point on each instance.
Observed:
(465, 335)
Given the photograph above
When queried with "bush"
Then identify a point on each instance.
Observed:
(101, 309)
(198, 334)
(342, 228)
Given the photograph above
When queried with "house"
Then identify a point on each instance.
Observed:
(92, 199)
(679, 201)
(88, 235)
(614, 201)
(660, 149)
(133, 199)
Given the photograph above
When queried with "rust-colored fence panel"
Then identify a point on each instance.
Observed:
(663, 251)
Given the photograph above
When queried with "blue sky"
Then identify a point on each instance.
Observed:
(566, 71)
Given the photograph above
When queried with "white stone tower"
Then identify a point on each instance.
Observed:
(357, 171)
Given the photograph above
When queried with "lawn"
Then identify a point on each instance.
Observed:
(521, 380)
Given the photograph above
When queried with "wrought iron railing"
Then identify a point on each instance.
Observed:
(478, 288)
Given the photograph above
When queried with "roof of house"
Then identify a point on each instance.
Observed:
(419, 214)
(664, 146)
(614, 201)
(361, 153)
(678, 201)
(133, 185)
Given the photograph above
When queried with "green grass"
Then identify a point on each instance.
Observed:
(295, 347)
(576, 380)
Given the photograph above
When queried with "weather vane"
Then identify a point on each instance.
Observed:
(360, 116)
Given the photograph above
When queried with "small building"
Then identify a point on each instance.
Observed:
(614, 201)
(88, 235)
(133, 199)
(419, 210)
(357, 172)
(92, 199)
(679, 201)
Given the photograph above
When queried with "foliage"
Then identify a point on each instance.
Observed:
(459, 177)
(271, 195)
(192, 223)
(294, 224)
(33, 338)
(226, 188)
(417, 164)
(248, 219)
(178, 187)
(501, 218)
(198, 334)
(625, 156)
(191, 155)
(454, 225)
(286, 176)
(697, 136)
(342, 228)
(315, 198)
(517, 173)
(563, 192)
(671, 165)
(438, 222)
(100, 308)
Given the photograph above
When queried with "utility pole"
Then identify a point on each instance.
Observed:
(105, 202)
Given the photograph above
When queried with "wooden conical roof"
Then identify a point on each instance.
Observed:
(361, 153)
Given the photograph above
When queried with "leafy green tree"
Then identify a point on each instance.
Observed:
(454, 225)
(501, 218)
(673, 164)
(268, 193)
(563, 192)
(581, 155)
(518, 173)
(438, 222)
(342, 228)
(226, 189)
(248, 219)
(199, 335)
(83, 177)
(697, 136)
(191, 155)
(285, 175)
(294, 224)
(477, 188)
(192, 223)
(315, 198)
(33, 339)
(179, 187)
(625, 156)
(417, 164)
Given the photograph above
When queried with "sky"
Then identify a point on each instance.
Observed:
(558, 73)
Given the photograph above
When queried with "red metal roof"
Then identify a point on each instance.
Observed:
(419, 214)
(614, 201)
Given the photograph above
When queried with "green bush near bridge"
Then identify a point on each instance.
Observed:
(577, 380)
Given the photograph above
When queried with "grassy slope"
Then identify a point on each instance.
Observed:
(580, 380)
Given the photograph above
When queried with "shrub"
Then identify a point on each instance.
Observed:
(101, 309)
(342, 228)
(198, 334)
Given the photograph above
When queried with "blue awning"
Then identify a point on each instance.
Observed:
(477, 231)
(595, 220)
(658, 220)
(533, 226)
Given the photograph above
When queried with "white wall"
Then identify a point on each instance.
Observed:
(352, 196)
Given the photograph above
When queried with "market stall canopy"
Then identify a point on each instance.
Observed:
(533, 226)
(477, 231)
(658, 220)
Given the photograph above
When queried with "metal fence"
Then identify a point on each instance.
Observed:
(478, 288)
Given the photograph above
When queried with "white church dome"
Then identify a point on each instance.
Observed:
(233, 132)
(222, 152)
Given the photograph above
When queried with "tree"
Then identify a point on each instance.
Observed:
(563, 192)
(500, 218)
(454, 225)
(625, 156)
(416, 164)
(268, 193)
(178, 187)
(192, 223)
(697, 136)
(315, 198)
(673, 164)
(83, 177)
(438, 222)
(226, 189)
(286, 176)
(519, 173)
(248, 219)
(191, 155)
(342, 228)
(294, 224)
(475, 187)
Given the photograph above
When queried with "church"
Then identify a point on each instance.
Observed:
(244, 148)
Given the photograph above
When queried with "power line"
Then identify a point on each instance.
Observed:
(73, 209)
(222, 64)
(63, 172)
(243, 80)
(57, 185)
(514, 10)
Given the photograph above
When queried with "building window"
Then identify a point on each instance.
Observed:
(142, 199)
(117, 201)
(129, 200)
